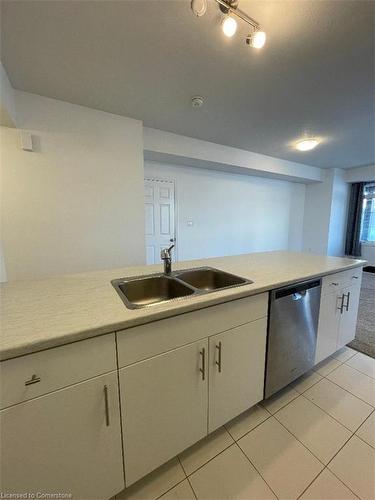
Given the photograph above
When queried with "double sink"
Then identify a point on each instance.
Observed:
(153, 289)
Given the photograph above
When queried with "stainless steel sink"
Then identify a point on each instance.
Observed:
(209, 279)
(148, 290)
(143, 291)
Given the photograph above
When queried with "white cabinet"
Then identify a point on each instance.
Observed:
(328, 327)
(338, 312)
(348, 319)
(67, 441)
(171, 400)
(164, 407)
(236, 376)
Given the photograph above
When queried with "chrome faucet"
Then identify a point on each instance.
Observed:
(165, 256)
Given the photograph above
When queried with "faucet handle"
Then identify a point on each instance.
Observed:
(166, 253)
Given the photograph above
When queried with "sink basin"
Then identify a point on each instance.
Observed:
(208, 279)
(149, 290)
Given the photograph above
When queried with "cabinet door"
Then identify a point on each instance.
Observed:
(68, 441)
(348, 319)
(328, 326)
(164, 407)
(237, 363)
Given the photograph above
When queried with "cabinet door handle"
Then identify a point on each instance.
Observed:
(335, 284)
(34, 380)
(203, 367)
(218, 362)
(354, 277)
(347, 302)
(341, 307)
(106, 405)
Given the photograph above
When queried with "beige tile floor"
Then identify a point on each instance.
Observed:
(315, 440)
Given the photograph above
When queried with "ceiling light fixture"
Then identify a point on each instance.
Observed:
(307, 144)
(229, 26)
(256, 39)
(229, 8)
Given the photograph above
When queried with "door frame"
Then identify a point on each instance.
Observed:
(176, 228)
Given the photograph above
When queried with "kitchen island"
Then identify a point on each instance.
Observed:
(45, 313)
(104, 392)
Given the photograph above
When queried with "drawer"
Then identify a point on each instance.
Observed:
(55, 368)
(145, 341)
(333, 282)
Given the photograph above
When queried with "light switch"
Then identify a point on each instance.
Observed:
(26, 141)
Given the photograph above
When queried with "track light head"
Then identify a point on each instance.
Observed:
(256, 39)
(229, 26)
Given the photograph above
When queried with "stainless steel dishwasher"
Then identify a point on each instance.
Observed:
(292, 330)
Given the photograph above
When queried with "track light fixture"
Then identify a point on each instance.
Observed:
(256, 39)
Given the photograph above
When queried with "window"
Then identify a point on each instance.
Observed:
(368, 213)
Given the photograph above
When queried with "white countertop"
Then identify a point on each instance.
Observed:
(46, 313)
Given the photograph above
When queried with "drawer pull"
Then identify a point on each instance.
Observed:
(341, 307)
(347, 303)
(218, 362)
(354, 277)
(203, 367)
(335, 284)
(34, 380)
(106, 406)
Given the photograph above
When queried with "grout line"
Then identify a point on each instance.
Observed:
(305, 446)
(248, 459)
(331, 416)
(359, 437)
(372, 406)
(313, 481)
(327, 466)
(210, 459)
(286, 404)
(247, 432)
(183, 468)
(363, 401)
(359, 371)
(191, 486)
(333, 369)
(342, 482)
(169, 489)
(187, 477)
(312, 385)
(338, 451)
(347, 359)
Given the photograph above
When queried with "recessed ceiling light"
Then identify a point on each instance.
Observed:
(229, 26)
(307, 144)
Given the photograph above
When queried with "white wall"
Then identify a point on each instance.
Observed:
(76, 203)
(339, 213)
(360, 174)
(173, 148)
(326, 206)
(232, 214)
(7, 100)
(368, 253)
(317, 216)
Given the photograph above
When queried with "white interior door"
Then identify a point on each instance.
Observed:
(160, 218)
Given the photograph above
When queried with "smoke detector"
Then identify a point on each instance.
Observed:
(197, 101)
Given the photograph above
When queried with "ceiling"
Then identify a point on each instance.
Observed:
(145, 59)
